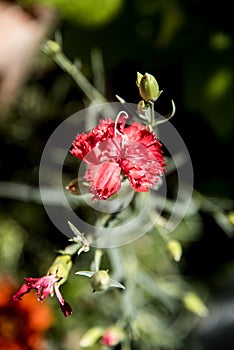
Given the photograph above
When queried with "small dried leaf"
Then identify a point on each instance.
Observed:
(85, 273)
(116, 284)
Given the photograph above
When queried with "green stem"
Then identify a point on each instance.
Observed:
(52, 49)
(97, 259)
(152, 117)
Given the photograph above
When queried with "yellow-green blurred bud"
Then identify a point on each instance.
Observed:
(148, 87)
(194, 304)
(61, 268)
(175, 249)
(91, 337)
(231, 217)
(100, 280)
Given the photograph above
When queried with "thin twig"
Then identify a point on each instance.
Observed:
(52, 49)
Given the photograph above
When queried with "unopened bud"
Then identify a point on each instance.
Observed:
(73, 186)
(194, 304)
(175, 249)
(148, 87)
(100, 280)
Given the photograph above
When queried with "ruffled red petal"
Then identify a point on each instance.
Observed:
(104, 179)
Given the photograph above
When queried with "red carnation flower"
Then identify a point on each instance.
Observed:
(112, 149)
(44, 285)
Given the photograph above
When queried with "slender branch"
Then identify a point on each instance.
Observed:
(152, 117)
(26, 193)
(53, 49)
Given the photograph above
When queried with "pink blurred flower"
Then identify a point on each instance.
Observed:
(112, 336)
(112, 149)
(21, 33)
(44, 285)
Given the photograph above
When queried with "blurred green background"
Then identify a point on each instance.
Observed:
(189, 47)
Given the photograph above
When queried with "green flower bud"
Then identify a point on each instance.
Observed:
(194, 304)
(100, 280)
(61, 268)
(148, 87)
(175, 249)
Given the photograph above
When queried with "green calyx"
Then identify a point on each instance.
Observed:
(100, 280)
(148, 87)
(61, 267)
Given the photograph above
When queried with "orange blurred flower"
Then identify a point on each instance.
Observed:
(22, 325)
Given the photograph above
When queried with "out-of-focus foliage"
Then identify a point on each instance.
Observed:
(87, 13)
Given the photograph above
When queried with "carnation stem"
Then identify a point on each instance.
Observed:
(152, 117)
(97, 259)
(52, 49)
